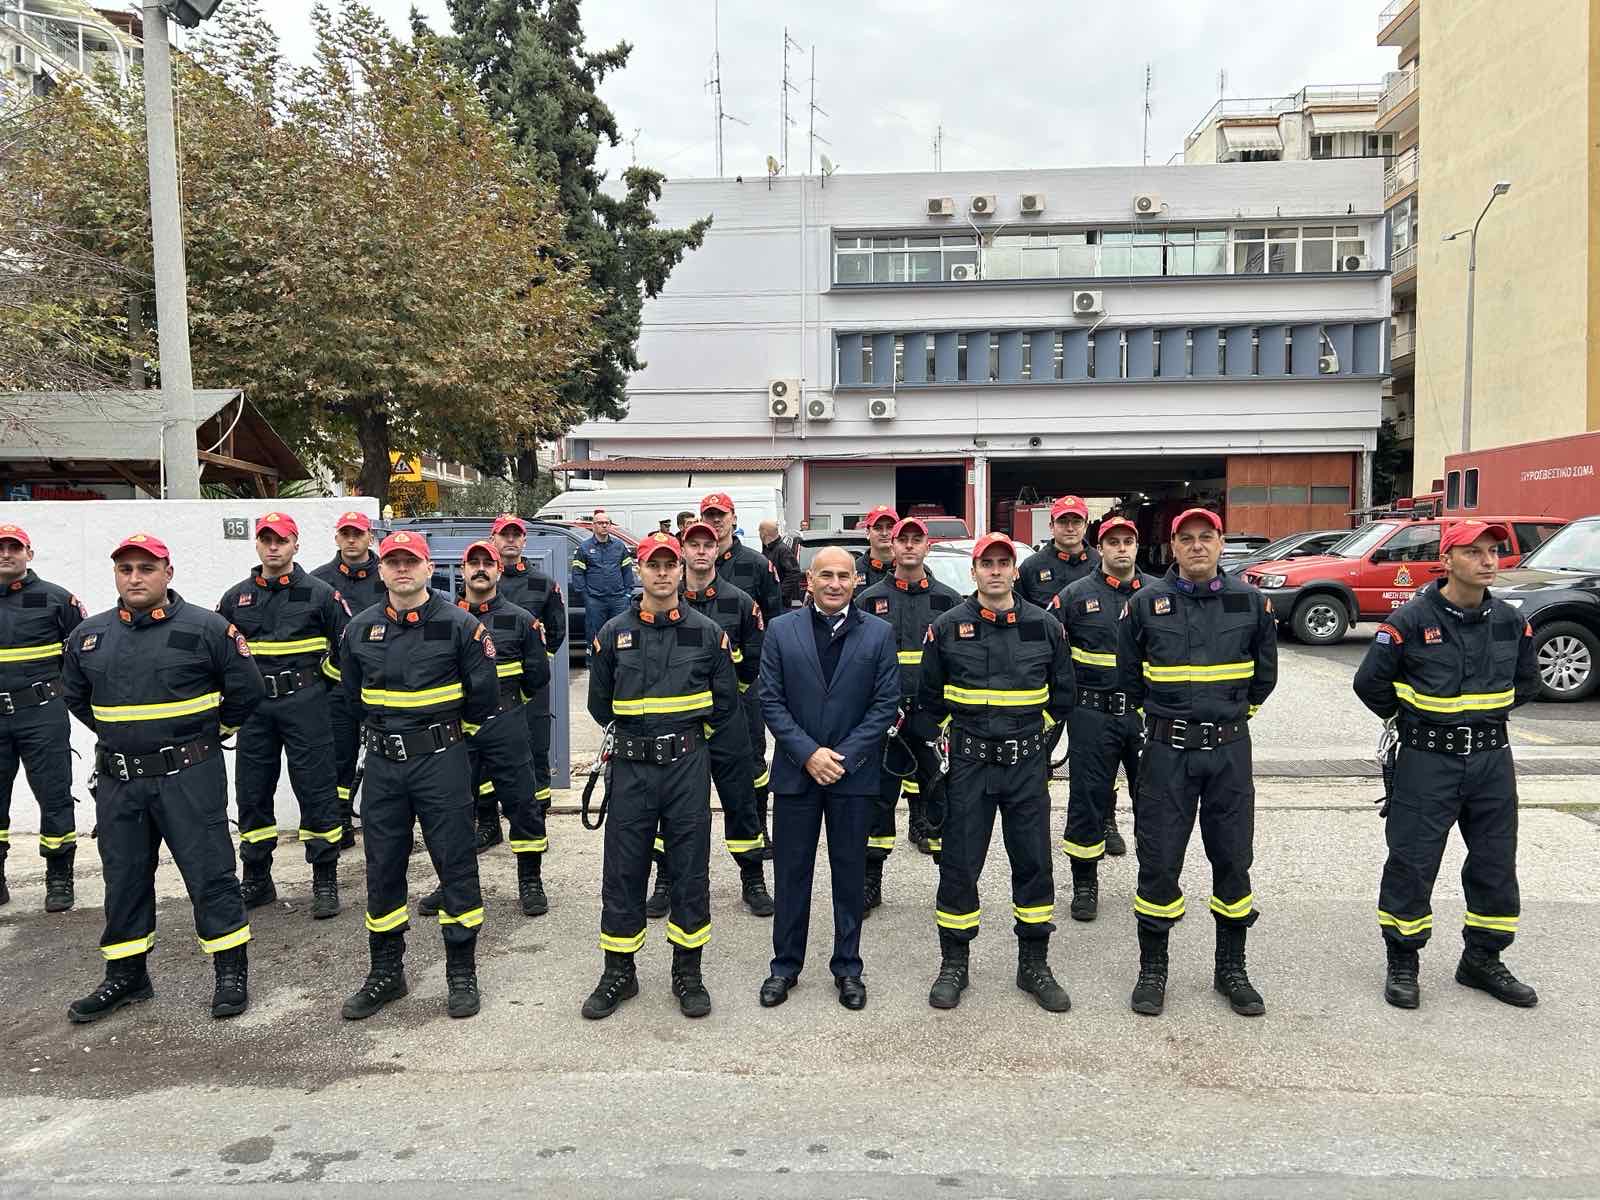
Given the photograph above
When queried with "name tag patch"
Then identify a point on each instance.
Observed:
(1162, 604)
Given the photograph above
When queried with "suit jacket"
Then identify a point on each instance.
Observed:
(850, 716)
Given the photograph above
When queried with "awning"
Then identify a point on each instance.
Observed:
(1360, 121)
(1239, 138)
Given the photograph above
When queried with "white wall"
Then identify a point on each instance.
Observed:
(838, 491)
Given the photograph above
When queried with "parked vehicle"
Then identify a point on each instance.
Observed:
(1305, 544)
(1240, 545)
(1373, 572)
(1557, 476)
(812, 540)
(1557, 589)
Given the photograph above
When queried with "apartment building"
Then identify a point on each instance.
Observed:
(43, 42)
(1318, 121)
(1399, 120)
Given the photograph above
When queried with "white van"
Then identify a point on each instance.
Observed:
(639, 510)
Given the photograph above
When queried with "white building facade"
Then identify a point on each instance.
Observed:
(976, 342)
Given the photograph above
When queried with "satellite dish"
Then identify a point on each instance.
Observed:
(772, 165)
(827, 165)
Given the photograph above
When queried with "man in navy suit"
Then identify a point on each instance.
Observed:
(829, 687)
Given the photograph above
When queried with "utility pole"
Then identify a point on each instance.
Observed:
(1499, 189)
(179, 452)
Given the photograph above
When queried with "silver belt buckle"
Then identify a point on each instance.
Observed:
(120, 764)
(1180, 734)
(8, 706)
(398, 743)
(1208, 735)
(1464, 733)
(1119, 704)
(1014, 748)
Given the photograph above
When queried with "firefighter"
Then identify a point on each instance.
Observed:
(502, 761)
(1452, 663)
(540, 595)
(293, 624)
(353, 573)
(751, 572)
(1065, 560)
(995, 669)
(1198, 652)
(876, 562)
(909, 600)
(161, 682)
(35, 619)
(605, 564)
(663, 674)
(731, 753)
(416, 669)
(1104, 730)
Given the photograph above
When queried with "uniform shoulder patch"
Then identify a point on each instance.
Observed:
(239, 642)
(625, 639)
(83, 609)
(1162, 605)
(761, 620)
(1388, 635)
(343, 603)
(488, 645)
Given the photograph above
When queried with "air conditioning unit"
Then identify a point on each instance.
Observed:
(1356, 262)
(1088, 304)
(1146, 204)
(881, 408)
(941, 206)
(820, 408)
(964, 272)
(1031, 202)
(24, 59)
(983, 206)
(783, 399)
(1328, 364)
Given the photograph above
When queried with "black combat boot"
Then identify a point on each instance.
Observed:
(687, 986)
(1482, 969)
(1115, 846)
(232, 994)
(58, 881)
(618, 982)
(126, 982)
(530, 885)
(1150, 990)
(430, 904)
(952, 980)
(754, 882)
(386, 980)
(347, 822)
(1085, 890)
(1035, 978)
(5, 892)
(1400, 986)
(917, 824)
(874, 885)
(325, 889)
(461, 977)
(1230, 978)
(489, 832)
(660, 902)
(257, 888)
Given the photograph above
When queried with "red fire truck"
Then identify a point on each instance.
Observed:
(1558, 477)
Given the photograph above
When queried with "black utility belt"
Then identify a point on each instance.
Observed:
(510, 698)
(1460, 740)
(168, 760)
(1113, 703)
(1197, 735)
(287, 683)
(1006, 752)
(418, 743)
(32, 696)
(661, 750)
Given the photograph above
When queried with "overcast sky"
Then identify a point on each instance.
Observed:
(1015, 83)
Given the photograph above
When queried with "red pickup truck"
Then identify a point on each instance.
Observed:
(1373, 572)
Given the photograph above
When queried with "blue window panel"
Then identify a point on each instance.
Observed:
(1074, 354)
(849, 359)
(1205, 352)
(944, 357)
(883, 358)
(1042, 355)
(1241, 350)
(1010, 358)
(1273, 344)
(1371, 337)
(916, 364)
(1141, 354)
(1305, 348)
(1344, 345)
(1174, 344)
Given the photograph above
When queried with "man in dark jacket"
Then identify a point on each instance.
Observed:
(791, 580)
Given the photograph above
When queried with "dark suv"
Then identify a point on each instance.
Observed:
(1557, 590)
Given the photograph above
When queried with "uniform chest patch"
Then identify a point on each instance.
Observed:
(1091, 606)
(245, 600)
(1433, 636)
(1046, 575)
(375, 634)
(89, 642)
(1162, 605)
(966, 630)
(625, 640)
(880, 607)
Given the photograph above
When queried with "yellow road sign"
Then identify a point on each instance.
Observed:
(405, 466)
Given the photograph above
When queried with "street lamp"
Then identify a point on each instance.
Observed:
(1499, 189)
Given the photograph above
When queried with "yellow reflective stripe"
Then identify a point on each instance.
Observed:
(1238, 909)
(54, 843)
(1466, 702)
(384, 698)
(507, 669)
(156, 712)
(229, 730)
(5, 836)
(1253, 710)
(388, 922)
(657, 705)
(343, 792)
(486, 788)
(470, 919)
(690, 940)
(744, 845)
(1150, 908)
(468, 728)
(621, 945)
(542, 794)
(1404, 926)
(266, 833)
(1038, 914)
(329, 835)
(129, 949)
(530, 845)
(1499, 924)
(909, 657)
(935, 844)
(9, 654)
(227, 941)
(302, 646)
(743, 687)
(659, 846)
(1049, 721)
(763, 779)
(910, 787)
(331, 671)
(1200, 673)
(1093, 658)
(1080, 850)
(956, 920)
(580, 565)
(738, 655)
(996, 697)
(881, 843)
(945, 724)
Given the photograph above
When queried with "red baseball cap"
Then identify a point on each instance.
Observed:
(281, 524)
(652, 546)
(487, 547)
(1111, 523)
(878, 513)
(1069, 504)
(1205, 514)
(989, 540)
(149, 543)
(15, 533)
(694, 527)
(354, 520)
(403, 541)
(905, 523)
(719, 501)
(505, 521)
(1464, 533)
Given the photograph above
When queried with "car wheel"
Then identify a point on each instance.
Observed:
(1320, 620)
(1567, 654)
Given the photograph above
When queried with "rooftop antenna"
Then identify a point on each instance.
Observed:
(633, 145)
(1147, 114)
(1222, 83)
(784, 119)
(715, 82)
(813, 137)
(938, 148)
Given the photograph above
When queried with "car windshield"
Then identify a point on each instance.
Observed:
(952, 570)
(1574, 547)
(945, 527)
(1273, 549)
(1362, 540)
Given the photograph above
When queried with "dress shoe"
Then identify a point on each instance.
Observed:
(776, 990)
(852, 992)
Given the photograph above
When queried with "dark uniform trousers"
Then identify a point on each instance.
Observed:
(675, 798)
(1020, 795)
(346, 744)
(925, 785)
(298, 724)
(361, 587)
(1097, 744)
(730, 754)
(40, 740)
(537, 714)
(502, 771)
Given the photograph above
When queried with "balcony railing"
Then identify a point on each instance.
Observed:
(1403, 345)
(1403, 174)
(73, 45)
(1404, 83)
(1273, 106)
(1390, 11)
(1403, 260)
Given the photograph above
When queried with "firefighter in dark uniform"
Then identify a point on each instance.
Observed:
(293, 624)
(909, 599)
(876, 562)
(751, 572)
(502, 762)
(1065, 560)
(541, 596)
(1451, 664)
(353, 573)
(995, 669)
(731, 753)
(417, 669)
(1198, 651)
(35, 619)
(161, 682)
(663, 675)
(1105, 731)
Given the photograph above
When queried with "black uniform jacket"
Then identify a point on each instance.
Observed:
(292, 622)
(656, 673)
(910, 608)
(1090, 610)
(521, 662)
(752, 572)
(738, 616)
(35, 619)
(405, 671)
(541, 596)
(360, 585)
(871, 571)
(1047, 571)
